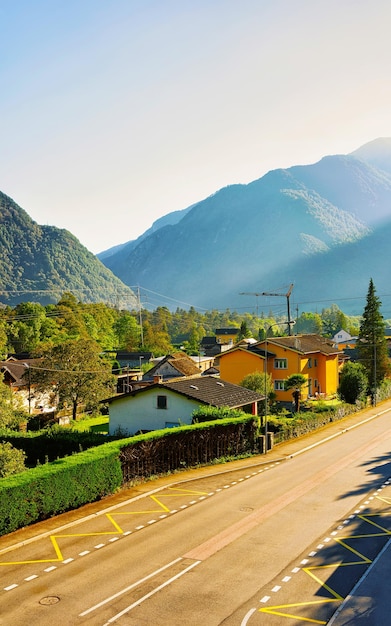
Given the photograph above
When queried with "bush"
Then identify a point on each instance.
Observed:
(11, 460)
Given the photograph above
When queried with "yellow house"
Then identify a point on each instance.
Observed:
(311, 355)
(238, 362)
(227, 335)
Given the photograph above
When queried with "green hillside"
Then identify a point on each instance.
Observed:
(39, 263)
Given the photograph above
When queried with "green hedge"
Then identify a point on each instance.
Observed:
(49, 445)
(68, 483)
(50, 489)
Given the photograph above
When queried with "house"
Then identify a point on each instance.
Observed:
(342, 339)
(239, 361)
(172, 403)
(16, 376)
(227, 335)
(172, 366)
(311, 355)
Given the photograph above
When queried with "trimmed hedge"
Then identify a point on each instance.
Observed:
(68, 483)
(54, 488)
(49, 445)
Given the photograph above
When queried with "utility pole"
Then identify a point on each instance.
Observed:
(140, 317)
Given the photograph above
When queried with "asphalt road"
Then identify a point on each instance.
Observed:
(280, 539)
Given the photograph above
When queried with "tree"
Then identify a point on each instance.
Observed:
(371, 343)
(257, 381)
(11, 412)
(244, 332)
(309, 323)
(333, 320)
(11, 460)
(353, 384)
(296, 382)
(75, 372)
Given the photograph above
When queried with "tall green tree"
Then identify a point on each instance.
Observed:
(353, 383)
(76, 373)
(372, 343)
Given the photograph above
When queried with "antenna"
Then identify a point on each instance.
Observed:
(266, 293)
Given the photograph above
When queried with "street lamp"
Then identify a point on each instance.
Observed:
(289, 324)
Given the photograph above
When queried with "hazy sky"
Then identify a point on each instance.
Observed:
(116, 112)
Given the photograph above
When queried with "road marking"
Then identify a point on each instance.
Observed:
(132, 586)
(285, 610)
(247, 617)
(151, 593)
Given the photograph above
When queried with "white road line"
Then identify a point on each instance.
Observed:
(151, 593)
(50, 569)
(10, 587)
(247, 617)
(31, 577)
(132, 586)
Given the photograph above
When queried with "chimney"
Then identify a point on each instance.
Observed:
(157, 379)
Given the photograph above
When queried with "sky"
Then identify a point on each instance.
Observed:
(115, 113)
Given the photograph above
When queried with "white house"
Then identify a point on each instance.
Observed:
(169, 404)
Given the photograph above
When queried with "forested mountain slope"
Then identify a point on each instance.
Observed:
(39, 263)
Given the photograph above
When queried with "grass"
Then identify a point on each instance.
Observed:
(98, 424)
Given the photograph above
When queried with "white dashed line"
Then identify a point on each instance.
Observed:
(113, 539)
(276, 588)
(100, 545)
(10, 587)
(68, 561)
(84, 553)
(31, 578)
(265, 599)
(286, 579)
(50, 569)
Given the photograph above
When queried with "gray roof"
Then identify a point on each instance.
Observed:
(213, 391)
(204, 389)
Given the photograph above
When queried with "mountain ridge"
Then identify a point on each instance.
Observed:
(40, 263)
(264, 233)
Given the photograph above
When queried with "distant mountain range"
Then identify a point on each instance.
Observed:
(40, 263)
(323, 227)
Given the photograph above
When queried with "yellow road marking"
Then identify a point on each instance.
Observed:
(310, 571)
(111, 518)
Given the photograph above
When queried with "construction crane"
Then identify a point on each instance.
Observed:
(266, 293)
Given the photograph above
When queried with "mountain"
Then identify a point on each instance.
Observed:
(319, 226)
(40, 263)
(171, 218)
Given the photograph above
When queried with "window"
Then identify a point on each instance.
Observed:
(279, 385)
(280, 364)
(315, 362)
(162, 402)
(309, 364)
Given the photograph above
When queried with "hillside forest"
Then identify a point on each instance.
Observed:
(33, 328)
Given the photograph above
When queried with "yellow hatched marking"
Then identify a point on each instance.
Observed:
(273, 610)
(110, 517)
(310, 571)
